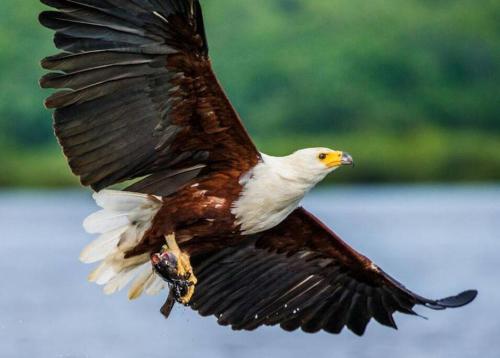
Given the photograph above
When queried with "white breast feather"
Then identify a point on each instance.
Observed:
(271, 191)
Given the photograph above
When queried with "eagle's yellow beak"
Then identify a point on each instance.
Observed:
(338, 158)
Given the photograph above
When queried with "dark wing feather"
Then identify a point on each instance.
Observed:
(302, 275)
(138, 95)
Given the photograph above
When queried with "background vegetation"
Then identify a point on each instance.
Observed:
(410, 88)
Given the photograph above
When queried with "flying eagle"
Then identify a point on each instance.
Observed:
(206, 215)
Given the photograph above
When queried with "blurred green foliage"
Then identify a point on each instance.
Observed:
(410, 88)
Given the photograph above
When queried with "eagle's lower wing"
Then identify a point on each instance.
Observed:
(301, 274)
(140, 97)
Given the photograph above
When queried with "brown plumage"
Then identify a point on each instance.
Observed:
(322, 283)
(161, 82)
(139, 101)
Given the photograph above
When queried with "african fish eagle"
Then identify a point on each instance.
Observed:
(208, 217)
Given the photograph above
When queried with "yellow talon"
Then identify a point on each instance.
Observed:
(184, 268)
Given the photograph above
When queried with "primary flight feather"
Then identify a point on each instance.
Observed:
(208, 216)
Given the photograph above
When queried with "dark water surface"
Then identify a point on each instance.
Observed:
(436, 240)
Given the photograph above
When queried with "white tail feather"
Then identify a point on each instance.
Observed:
(103, 221)
(123, 201)
(155, 286)
(102, 274)
(122, 223)
(120, 281)
(140, 282)
(99, 249)
(123, 279)
(150, 281)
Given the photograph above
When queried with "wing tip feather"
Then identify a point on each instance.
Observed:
(457, 301)
(460, 300)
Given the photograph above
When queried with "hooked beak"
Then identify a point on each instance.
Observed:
(338, 158)
(347, 159)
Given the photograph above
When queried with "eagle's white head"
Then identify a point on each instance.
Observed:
(274, 187)
(318, 162)
(308, 166)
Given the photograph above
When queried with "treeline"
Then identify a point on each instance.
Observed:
(336, 68)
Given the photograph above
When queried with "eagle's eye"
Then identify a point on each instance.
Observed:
(322, 156)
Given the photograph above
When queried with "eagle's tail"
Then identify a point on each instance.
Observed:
(124, 219)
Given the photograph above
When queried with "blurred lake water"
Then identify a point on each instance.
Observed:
(437, 240)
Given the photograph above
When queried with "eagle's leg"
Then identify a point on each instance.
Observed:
(174, 266)
(184, 269)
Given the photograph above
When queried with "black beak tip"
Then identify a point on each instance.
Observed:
(347, 159)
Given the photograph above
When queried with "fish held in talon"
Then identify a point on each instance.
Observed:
(174, 267)
(206, 210)
(165, 265)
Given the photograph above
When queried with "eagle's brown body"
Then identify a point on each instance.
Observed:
(138, 100)
(199, 214)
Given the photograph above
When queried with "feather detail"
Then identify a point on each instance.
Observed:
(122, 223)
(99, 249)
(155, 286)
(122, 201)
(151, 281)
(140, 282)
(125, 101)
(104, 221)
(102, 274)
(120, 281)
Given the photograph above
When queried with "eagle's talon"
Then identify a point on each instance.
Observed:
(175, 268)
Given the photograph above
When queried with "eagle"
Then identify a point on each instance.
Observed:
(200, 212)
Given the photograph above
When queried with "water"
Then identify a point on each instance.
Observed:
(436, 240)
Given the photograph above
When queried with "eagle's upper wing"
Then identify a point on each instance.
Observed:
(301, 274)
(140, 97)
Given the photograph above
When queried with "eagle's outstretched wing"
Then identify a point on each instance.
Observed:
(140, 97)
(302, 275)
